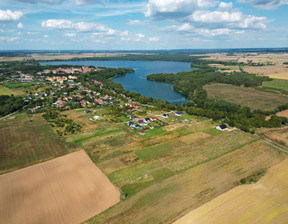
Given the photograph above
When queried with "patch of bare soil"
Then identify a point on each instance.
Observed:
(69, 189)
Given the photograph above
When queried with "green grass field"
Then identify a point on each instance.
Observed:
(152, 132)
(6, 91)
(99, 133)
(253, 98)
(154, 152)
(277, 84)
(27, 141)
(17, 85)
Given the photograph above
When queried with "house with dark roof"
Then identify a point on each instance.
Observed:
(222, 127)
(165, 115)
(179, 113)
(147, 120)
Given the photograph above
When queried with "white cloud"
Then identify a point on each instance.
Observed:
(70, 35)
(78, 27)
(124, 33)
(20, 26)
(140, 35)
(175, 9)
(185, 27)
(9, 39)
(57, 2)
(7, 15)
(85, 2)
(32, 33)
(227, 19)
(266, 4)
(135, 22)
(2, 31)
(223, 6)
(214, 32)
(45, 36)
(154, 39)
(50, 2)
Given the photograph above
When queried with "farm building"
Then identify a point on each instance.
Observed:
(221, 127)
(179, 113)
(165, 115)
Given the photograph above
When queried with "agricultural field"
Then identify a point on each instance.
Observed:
(167, 195)
(277, 84)
(27, 141)
(68, 189)
(6, 91)
(263, 202)
(253, 98)
(278, 70)
(276, 135)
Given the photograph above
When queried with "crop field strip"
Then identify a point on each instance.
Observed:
(27, 141)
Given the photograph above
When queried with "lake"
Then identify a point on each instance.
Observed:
(137, 81)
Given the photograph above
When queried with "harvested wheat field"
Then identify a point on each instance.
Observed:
(69, 189)
(264, 202)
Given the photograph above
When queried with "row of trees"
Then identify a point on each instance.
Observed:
(10, 104)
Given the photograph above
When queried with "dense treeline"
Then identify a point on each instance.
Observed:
(10, 104)
(191, 85)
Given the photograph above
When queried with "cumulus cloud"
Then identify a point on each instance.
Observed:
(140, 35)
(223, 6)
(171, 9)
(266, 4)
(45, 36)
(78, 27)
(8, 16)
(227, 19)
(20, 26)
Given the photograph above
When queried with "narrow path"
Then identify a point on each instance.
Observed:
(267, 142)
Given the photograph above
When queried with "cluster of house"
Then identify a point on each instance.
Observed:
(132, 106)
(25, 77)
(140, 123)
(61, 79)
(71, 70)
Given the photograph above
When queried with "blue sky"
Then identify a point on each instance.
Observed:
(142, 25)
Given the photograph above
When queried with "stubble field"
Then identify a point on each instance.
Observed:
(263, 202)
(69, 189)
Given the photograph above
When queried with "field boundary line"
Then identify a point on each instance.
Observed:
(267, 142)
(216, 157)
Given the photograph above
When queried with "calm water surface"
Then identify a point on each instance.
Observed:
(137, 81)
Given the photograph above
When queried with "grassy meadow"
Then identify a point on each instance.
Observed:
(6, 91)
(277, 84)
